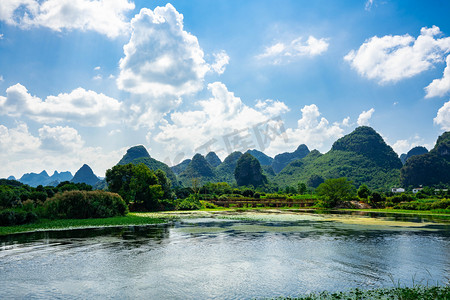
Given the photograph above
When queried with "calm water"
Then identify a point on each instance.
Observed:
(212, 258)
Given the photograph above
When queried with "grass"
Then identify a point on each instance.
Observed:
(400, 293)
(46, 224)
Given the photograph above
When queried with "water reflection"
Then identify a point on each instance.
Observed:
(220, 258)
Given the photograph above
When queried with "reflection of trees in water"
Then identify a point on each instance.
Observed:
(132, 235)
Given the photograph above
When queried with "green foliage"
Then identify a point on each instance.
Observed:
(429, 169)
(10, 217)
(395, 293)
(139, 184)
(190, 203)
(315, 180)
(84, 205)
(72, 186)
(334, 190)
(248, 171)
(363, 192)
(301, 188)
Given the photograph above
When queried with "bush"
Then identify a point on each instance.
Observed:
(11, 217)
(190, 203)
(84, 205)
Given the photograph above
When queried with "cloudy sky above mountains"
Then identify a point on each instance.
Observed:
(81, 81)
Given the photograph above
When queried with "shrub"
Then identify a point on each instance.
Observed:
(190, 203)
(84, 205)
(10, 217)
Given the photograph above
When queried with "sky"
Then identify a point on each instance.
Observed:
(82, 81)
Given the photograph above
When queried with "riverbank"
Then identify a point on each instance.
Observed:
(139, 218)
(46, 224)
(403, 293)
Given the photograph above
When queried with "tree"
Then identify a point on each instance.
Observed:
(248, 171)
(363, 192)
(315, 180)
(136, 183)
(301, 188)
(333, 190)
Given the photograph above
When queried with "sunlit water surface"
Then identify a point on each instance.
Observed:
(214, 258)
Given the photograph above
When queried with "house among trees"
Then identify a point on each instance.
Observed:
(398, 190)
(416, 190)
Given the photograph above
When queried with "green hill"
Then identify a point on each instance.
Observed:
(178, 169)
(280, 161)
(225, 171)
(133, 153)
(198, 169)
(419, 150)
(213, 159)
(361, 156)
(430, 169)
(263, 159)
(138, 154)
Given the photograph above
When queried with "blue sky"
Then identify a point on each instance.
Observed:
(82, 81)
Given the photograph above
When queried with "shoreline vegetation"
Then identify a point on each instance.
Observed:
(152, 218)
(401, 293)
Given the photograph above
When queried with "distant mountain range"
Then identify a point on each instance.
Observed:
(362, 156)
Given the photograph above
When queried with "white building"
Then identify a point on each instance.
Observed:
(398, 190)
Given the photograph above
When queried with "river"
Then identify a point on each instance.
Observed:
(226, 256)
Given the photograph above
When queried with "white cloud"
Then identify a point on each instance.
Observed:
(103, 16)
(86, 108)
(346, 122)
(17, 140)
(97, 68)
(368, 5)
(1, 36)
(59, 138)
(1, 78)
(392, 58)
(443, 116)
(404, 145)
(282, 52)
(364, 117)
(216, 117)
(440, 87)
(222, 59)
(54, 148)
(97, 77)
(161, 58)
(312, 130)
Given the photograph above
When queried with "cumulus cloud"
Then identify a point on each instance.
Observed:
(364, 117)
(394, 57)
(17, 140)
(103, 16)
(161, 58)
(86, 108)
(60, 138)
(443, 116)
(440, 87)
(53, 148)
(286, 51)
(312, 130)
(222, 59)
(216, 118)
